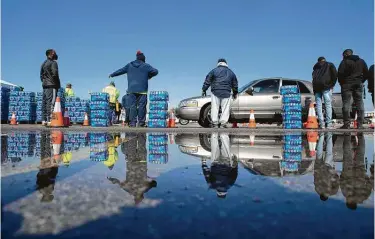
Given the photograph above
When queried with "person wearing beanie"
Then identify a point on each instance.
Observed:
(222, 81)
(138, 72)
(324, 79)
(352, 73)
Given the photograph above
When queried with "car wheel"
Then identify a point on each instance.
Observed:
(205, 141)
(205, 118)
(183, 122)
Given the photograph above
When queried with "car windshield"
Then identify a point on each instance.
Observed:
(243, 88)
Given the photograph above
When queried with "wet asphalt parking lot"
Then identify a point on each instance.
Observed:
(186, 183)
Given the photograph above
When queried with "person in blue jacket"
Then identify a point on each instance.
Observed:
(139, 72)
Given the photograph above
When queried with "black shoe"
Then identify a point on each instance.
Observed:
(345, 127)
(224, 126)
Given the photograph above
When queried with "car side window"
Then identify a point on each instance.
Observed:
(303, 89)
(267, 86)
(289, 82)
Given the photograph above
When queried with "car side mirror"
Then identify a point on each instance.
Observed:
(250, 90)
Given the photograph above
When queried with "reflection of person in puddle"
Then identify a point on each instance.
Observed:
(112, 152)
(224, 167)
(137, 182)
(326, 179)
(354, 182)
(45, 179)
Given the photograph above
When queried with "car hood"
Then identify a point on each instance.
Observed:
(197, 98)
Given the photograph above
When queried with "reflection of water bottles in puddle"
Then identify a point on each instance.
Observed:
(158, 149)
(158, 158)
(292, 156)
(289, 166)
(158, 139)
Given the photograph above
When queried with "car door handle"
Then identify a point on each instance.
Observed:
(275, 97)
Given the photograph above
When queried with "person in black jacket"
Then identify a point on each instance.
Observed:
(222, 81)
(352, 73)
(49, 75)
(324, 79)
(370, 83)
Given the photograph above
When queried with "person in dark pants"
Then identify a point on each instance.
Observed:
(49, 75)
(352, 73)
(126, 107)
(355, 184)
(137, 183)
(139, 72)
(370, 83)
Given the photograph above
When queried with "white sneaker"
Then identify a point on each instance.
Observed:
(44, 123)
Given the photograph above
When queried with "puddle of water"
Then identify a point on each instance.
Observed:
(78, 185)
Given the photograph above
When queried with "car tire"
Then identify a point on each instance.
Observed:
(203, 119)
(184, 122)
(205, 141)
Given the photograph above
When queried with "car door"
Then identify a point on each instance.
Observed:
(264, 99)
(306, 96)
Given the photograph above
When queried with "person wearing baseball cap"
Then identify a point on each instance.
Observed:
(138, 72)
(69, 91)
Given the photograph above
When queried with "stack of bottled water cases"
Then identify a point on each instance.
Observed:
(158, 109)
(38, 137)
(292, 107)
(98, 146)
(100, 113)
(158, 148)
(23, 104)
(21, 145)
(75, 141)
(39, 102)
(292, 152)
(77, 109)
(5, 93)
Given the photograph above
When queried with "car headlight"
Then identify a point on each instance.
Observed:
(188, 149)
(189, 103)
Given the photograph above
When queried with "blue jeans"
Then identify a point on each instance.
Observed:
(137, 106)
(328, 159)
(327, 96)
(126, 107)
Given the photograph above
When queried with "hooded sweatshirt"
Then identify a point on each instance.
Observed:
(324, 76)
(139, 73)
(371, 79)
(352, 69)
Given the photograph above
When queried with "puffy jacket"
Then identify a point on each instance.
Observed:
(352, 69)
(49, 74)
(113, 93)
(139, 73)
(324, 76)
(371, 79)
(222, 81)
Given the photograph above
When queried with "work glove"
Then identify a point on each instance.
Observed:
(235, 95)
(109, 76)
(204, 93)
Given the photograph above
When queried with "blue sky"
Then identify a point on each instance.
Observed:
(183, 39)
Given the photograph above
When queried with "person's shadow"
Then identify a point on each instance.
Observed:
(137, 183)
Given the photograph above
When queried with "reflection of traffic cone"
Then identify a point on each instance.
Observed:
(234, 125)
(312, 138)
(57, 138)
(252, 139)
(355, 123)
(312, 121)
(171, 138)
(13, 120)
(66, 118)
(86, 121)
(57, 116)
(172, 121)
(252, 123)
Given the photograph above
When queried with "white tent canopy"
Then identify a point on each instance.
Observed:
(6, 83)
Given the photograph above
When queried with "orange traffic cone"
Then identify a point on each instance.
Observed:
(57, 139)
(86, 120)
(252, 139)
(312, 120)
(312, 138)
(355, 122)
(172, 121)
(13, 120)
(252, 123)
(66, 118)
(57, 119)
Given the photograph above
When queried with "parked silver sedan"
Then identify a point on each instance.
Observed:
(262, 96)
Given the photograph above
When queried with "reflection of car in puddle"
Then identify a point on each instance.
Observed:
(259, 154)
